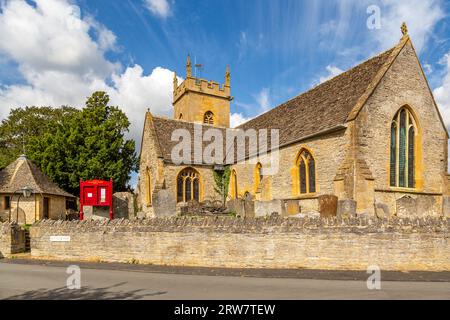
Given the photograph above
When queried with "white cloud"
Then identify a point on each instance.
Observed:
(138, 92)
(236, 119)
(159, 8)
(428, 68)
(52, 36)
(421, 17)
(442, 94)
(62, 64)
(332, 71)
(263, 99)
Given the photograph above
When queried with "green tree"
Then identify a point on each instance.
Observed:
(91, 144)
(23, 124)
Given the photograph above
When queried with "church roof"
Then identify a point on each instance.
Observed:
(24, 173)
(323, 109)
(327, 105)
(163, 129)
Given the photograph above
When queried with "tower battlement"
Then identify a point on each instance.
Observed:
(202, 86)
(202, 101)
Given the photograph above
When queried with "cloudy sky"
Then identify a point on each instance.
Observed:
(57, 52)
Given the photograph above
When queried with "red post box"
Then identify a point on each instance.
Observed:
(96, 193)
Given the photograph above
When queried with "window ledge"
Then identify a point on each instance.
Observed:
(408, 190)
(305, 196)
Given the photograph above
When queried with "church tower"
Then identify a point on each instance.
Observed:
(202, 101)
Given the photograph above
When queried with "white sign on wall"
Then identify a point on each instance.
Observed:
(60, 238)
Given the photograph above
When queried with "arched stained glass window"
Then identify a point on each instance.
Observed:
(306, 172)
(403, 148)
(312, 174)
(188, 185)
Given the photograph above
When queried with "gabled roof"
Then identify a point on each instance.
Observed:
(321, 109)
(328, 105)
(324, 109)
(163, 129)
(24, 173)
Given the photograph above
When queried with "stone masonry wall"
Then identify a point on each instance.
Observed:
(328, 151)
(402, 85)
(12, 239)
(400, 244)
(207, 185)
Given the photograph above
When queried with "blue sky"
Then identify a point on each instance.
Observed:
(55, 52)
(280, 48)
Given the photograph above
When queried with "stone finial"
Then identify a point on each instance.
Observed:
(404, 29)
(188, 67)
(227, 76)
(175, 81)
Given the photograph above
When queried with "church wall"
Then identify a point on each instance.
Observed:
(207, 183)
(329, 152)
(402, 85)
(193, 106)
(148, 160)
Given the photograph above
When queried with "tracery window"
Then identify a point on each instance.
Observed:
(403, 148)
(306, 172)
(188, 185)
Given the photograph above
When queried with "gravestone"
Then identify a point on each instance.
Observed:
(382, 210)
(249, 206)
(237, 206)
(164, 203)
(328, 206)
(406, 207)
(123, 204)
(266, 208)
(346, 208)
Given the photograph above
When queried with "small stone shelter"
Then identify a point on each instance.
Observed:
(45, 201)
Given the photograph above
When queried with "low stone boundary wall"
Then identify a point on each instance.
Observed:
(354, 243)
(12, 239)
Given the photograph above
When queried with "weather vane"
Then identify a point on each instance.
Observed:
(198, 68)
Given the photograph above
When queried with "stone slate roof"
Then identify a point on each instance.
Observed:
(324, 107)
(23, 173)
(163, 128)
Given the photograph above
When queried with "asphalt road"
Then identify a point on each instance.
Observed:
(34, 281)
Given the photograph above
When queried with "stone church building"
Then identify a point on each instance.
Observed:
(372, 136)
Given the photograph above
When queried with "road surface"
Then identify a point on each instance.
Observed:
(37, 281)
